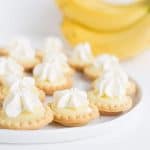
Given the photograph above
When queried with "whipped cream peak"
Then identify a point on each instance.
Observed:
(113, 83)
(20, 49)
(25, 83)
(10, 70)
(22, 97)
(49, 71)
(83, 53)
(53, 44)
(105, 62)
(55, 56)
(70, 98)
(9, 66)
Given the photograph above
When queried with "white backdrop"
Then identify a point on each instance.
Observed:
(36, 18)
(40, 18)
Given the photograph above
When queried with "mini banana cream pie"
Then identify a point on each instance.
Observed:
(110, 92)
(22, 108)
(21, 51)
(99, 65)
(61, 59)
(71, 108)
(10, 71)
(51, 45)
(81, 56)
(52, 75)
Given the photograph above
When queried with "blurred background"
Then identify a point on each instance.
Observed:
(112, 27)
(38, 19)
(34, 18)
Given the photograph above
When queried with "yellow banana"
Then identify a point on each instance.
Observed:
(102, 17)
(123, 44)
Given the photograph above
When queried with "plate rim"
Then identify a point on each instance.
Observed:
(47, 133)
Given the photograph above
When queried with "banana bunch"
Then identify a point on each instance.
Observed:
(120, 30)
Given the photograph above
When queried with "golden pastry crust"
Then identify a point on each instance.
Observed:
(70, 72)
(3, 52)
(104, 113)
(109, 108)
(77, 65)
(74, 120)
(114, 109)
(39, 55)
(3, 93)
(91, 74)
(131, 90)
(49, 89)
(29, 65)
(42, 95)
(30, 124)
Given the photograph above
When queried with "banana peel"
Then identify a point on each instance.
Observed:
(99, 16)
(124, 44)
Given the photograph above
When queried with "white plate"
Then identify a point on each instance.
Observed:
(54, 133)
(30, 18)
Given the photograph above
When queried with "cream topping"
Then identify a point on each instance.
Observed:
(112, 83)
(59, 56)
(71, 98)
(105, 62)
(22, 97)
(52, 44)
(50, 71)
(82, 53)
(21, 50)
(10, 70)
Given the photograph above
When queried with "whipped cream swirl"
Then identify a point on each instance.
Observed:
(52, 44)
(50, 71)
(72, 98)
(59, 56)
(10, 70)
(22, 97)
(82, 52)
(21, 50)
(113, 83)
(105, 62)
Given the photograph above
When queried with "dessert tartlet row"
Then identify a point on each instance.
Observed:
(23, 89)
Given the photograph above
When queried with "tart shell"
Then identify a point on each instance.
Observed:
(75, 120)
(49, 89)
(42, 95)
(28, 65)
(77, 65)
(90, 74)
(3, 52)
(112, 109)
(131, 90)
(26, 125)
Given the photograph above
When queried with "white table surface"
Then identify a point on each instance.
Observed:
(40, 18)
